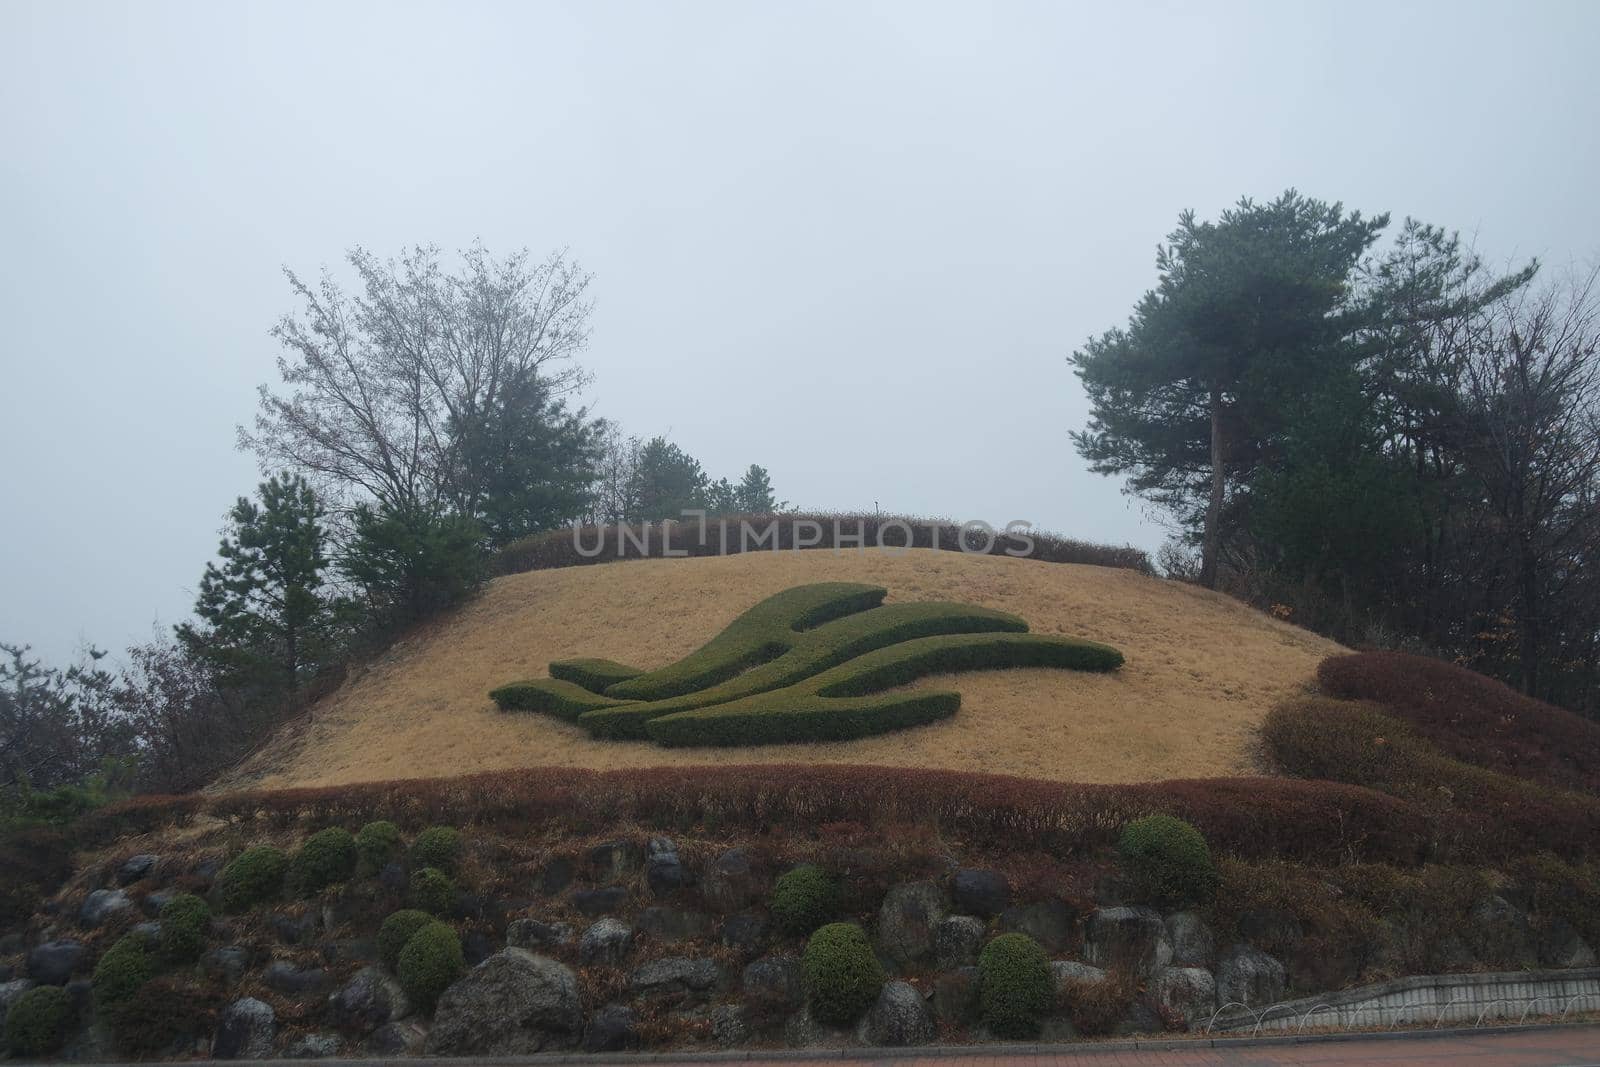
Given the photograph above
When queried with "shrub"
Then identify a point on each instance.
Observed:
(396, 931)
(595, 675)
(432, 891)
(163, 1018)
(437, 846)
(1015, 986)
(254, 876)
(36, 1024)
(841, 973)
(377, 844)
(1167, 861)
(1095, 1008)
(36, 862)
(328, 856)
(430, 961)
(125, 967)
(185, 920)
(803, 899)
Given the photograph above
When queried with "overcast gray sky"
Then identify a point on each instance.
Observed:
(852, 242)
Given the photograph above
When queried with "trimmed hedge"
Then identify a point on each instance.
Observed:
(1167, 862)
(803, 899)
(430, 961)
(595, 675)
(377, 844)
(36, 1024)
(254, 876)
(396, 931)
(185, 921)
(125, 967)
(1015, 987)
(842, 974)
(437, 846)
(432, 891)
(327, 857)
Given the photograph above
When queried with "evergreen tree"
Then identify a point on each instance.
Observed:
(411, 562)
(667, 482)
(755, 495)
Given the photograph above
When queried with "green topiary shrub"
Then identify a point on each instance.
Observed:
(1167, 862)
(842, 975)
(36, 1024)
(430, 961)
(803, 899)
(1015, 987)
(396, 931)
(185, 920)
(125, 967)
(595, 675)
(254, 876)
(433, 891)
(328, 856)
(377, 844)
(437, 846)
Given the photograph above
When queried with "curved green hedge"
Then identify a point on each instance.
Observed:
(592, 674)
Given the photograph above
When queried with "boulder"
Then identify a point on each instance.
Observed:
(911, 912)
(673, 924)
(611, 1029)
(294, 929)
(1246, 975)
(404, 1038)
(135, 868)
(674, 974)
(1193, 944)
(1068, 973)
(980, 892)
(225, 962)
(312, 1047)
(103, 905)
(245, 1031)
(747, 933)
(730, 1025)
(664, 871)
(1134, 939)
(1140, 1018)
(596, 902)
(955, 996)
(1186, 993)
(533, 934)
(371, 999)
(1048, 922)
(774, 982)
(281, 976)
(152, 903)
(1560, 945)
(149, 932)
(615, 861)
(957, 939)
(731, 882)
(899, 1017)
(1500, 935)
(555, 876)
(605, 943)
(53, 962)
(513, 1003)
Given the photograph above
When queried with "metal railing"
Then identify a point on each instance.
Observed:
(1559, 1006)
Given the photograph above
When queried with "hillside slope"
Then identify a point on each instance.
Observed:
(1202, 672)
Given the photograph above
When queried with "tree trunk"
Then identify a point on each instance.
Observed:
(1528, 622)
(1211, 544)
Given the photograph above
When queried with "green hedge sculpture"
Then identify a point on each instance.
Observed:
(808, 664)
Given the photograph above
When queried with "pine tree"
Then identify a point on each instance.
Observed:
(755, 495)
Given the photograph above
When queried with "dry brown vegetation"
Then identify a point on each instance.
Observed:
(1202, 672)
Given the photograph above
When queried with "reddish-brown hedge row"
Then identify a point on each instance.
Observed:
(732, 534)
(1473, 718)
(1251, 817)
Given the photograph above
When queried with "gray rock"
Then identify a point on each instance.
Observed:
(313, 1047)
(103, 905)
(9, 992)
(1048, 922)
(1068, 973)
(368, 1001)
(606, 942)
(1501, 934)
(284, 977)
(955, 996)
(245, 1031)
(152, 903)
(957, 939)
(1246, 975)
(1187, 993)
(611, 1029)
(615, 861)
(674, 974)
(730, 1026)
(403, 1038)
(1560, 945)
(393, 877)
(135, 868)
(1141, 1018)
(1131, 938)
(664, 871)
(911, 912)
(731, 882)
(774, 982)
(532, 934)
(898, 1017)
(227, 962)
(673, 924)
(747, 933)
(294, 929)
(980, 892)
(554, 876)
(148, 932)
(513, 1003)
(1193, 944)
(53, 962)
(595, 902)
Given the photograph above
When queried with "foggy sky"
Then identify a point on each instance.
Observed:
(854, 243)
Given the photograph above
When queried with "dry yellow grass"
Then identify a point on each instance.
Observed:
(1202, 670)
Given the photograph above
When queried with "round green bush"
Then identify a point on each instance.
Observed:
(36, 1025)
(328, 856)
(255, 875)
(125, 967)
(432, 890)
(396, 931)
(430, 961)
(1014, 985)
(377, 843)
(1167, 862)
(185, 920)
(803, 899)
(842, 975)
(437, 846)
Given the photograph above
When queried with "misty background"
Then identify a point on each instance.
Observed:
(852, 243)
